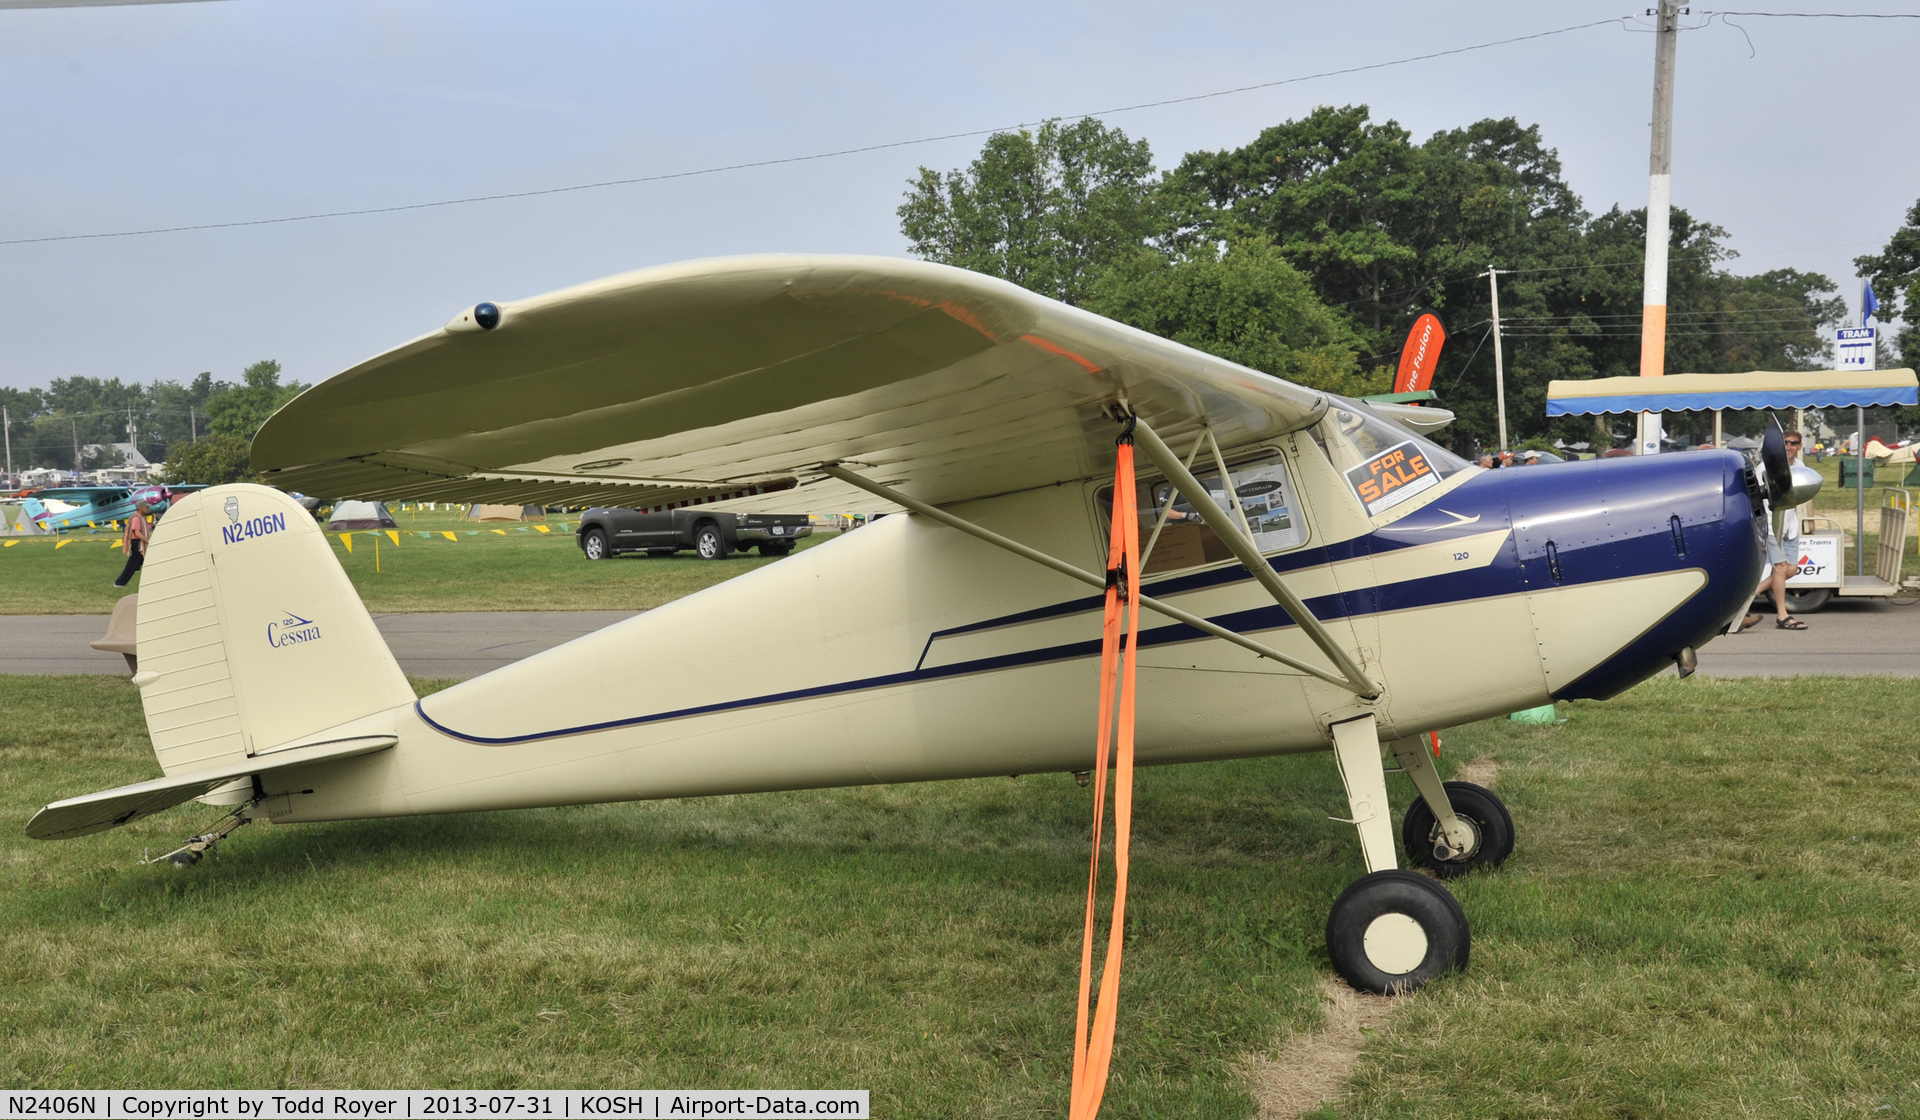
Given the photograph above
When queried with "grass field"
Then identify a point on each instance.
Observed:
(505, 570)
(1711, 913)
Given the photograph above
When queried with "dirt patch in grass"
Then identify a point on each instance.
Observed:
(1482, 771)
(1312, 1068)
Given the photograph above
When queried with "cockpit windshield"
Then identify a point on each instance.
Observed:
(1384, 463)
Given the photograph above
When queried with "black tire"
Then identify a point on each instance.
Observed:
(710, 542)
(1392, 931)
(1483, 811)
(1808, 601)
(593, 543)
(775, 548)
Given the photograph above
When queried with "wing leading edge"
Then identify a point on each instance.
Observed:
(727, 380)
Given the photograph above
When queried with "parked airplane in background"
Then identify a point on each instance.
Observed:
(80, 507)
(1318, 575)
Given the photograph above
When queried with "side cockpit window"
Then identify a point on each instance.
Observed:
(1383, 463)
(1266, 499)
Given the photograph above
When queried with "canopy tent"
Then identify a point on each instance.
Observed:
(15, 521)
(348, 516)
(482, 512)
(1716, 392)
(1693, 392)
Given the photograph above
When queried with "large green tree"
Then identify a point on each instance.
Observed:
(1047, 210)
(211, 461)
(47, 425)
(241, 410)
(1246, 304)
(1384, 226)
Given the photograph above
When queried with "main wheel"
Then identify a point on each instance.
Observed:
(1808, 601)
(710, 543)
(1393, 931)
(1486, 817)
(594, 544)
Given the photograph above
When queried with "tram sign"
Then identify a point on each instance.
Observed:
(1853, 348)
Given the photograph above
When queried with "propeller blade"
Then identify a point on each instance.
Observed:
(1774, 461)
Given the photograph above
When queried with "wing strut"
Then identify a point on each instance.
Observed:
(882, 490)
(1229, 533)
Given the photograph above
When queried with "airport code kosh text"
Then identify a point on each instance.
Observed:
(362, 1104)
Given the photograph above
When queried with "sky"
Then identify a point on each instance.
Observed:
(136, 117)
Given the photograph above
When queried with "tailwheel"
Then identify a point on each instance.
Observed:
(1485, 816)
(1393, 931)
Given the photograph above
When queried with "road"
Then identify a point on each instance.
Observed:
(464, 644)
(1859, 637)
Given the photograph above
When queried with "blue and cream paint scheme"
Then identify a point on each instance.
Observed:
(906, 650)
(1375, 588)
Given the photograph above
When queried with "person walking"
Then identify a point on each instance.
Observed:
(1779, 568)
(133, 541)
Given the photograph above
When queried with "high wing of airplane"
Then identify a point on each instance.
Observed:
(1316, 575)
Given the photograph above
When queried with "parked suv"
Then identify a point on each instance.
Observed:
(714, 534)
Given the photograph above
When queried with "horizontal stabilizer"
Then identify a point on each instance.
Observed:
(97, 812)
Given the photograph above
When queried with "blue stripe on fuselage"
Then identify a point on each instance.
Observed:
(1620, 529)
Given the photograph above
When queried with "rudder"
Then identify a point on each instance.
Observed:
(249, 634)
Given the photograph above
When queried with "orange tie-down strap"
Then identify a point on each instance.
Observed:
(1093, 1050)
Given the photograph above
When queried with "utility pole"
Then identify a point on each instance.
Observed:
(193, 424)
(133, 440)
(6, 425)
(1499, 360)
(75, 425)
(1653, 312)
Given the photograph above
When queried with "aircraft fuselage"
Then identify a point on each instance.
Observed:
(907, 651)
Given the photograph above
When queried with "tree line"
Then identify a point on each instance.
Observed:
(1308, 252)
(201, 429)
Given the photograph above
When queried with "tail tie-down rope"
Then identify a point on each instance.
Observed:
(1093, 1050)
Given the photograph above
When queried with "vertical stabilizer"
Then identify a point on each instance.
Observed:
(249, 634)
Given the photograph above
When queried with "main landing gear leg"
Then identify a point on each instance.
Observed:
(1356, 749)
(1392, 930)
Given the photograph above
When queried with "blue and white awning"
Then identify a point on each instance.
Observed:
(1691, 392)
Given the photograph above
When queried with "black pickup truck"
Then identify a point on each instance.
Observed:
(714, 534)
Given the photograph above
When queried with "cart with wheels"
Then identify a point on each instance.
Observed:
(1821, 561)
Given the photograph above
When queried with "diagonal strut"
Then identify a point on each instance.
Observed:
(882, 490)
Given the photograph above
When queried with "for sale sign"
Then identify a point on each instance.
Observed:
(1391, 477)
(1818, 561)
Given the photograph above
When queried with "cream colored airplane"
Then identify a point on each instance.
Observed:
(1318, 575)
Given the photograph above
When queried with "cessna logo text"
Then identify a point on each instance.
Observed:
(1391, 477)
(254, 527)
(292, 630)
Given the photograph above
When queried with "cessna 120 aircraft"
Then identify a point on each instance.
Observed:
(1317, 575)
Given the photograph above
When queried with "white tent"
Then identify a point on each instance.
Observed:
(14, 522)
(479, 512)
(348, 516)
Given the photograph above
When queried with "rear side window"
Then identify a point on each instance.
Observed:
(1266, 501)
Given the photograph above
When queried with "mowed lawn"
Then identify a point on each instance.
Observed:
(488, 566)
(1711, 912)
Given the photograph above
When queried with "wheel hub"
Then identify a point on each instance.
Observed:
(1395, 944)
(1445, 852)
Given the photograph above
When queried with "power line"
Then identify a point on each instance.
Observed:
(1818, 15)
(750, 164)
